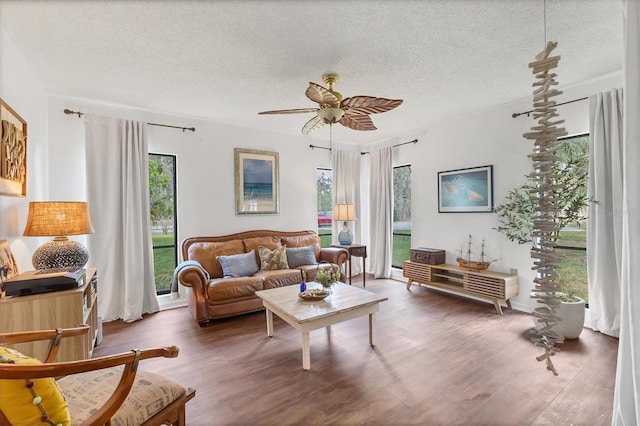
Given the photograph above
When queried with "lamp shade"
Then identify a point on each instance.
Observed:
(57, 219)
(344, 211)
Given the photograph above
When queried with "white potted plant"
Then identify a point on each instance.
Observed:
(571, 310)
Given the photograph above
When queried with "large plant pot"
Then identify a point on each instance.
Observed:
(572, 314)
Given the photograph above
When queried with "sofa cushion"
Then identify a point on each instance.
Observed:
(25, 402)
(310, 272)
(239, 265)
(207, 254)
(298, 256)
(280, 278)
(229, 289)
(303, 241)
(255, 242)
(271, 260)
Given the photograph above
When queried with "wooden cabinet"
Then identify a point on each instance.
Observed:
(495, 286)
(60, 309)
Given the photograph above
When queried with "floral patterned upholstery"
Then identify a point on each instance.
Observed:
(150, 394)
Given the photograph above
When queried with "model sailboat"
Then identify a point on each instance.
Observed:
(475, 265)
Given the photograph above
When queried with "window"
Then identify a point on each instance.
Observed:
(325, 205)
(401, 215)
(572, 241)
(162, 198)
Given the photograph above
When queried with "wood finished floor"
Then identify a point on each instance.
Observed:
(439, 359)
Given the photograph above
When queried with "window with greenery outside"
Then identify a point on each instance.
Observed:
(401, 215)
(324, 184)
(162, 198)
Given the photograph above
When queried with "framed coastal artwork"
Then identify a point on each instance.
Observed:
(13, 152)
(466, 190)
(256, 182)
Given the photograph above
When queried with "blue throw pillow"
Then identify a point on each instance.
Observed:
(299, 256)
(239, 265)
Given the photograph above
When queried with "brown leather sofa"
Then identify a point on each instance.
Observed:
(211, 296)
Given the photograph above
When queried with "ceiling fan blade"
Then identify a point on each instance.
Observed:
(290, 111)
(323, 96)
(313, 124)
(368, 105)
(357, 122)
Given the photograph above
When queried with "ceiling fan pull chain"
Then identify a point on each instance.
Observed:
(330, 136)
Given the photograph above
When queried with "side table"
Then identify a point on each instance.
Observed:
(58, 309)
(355, 250)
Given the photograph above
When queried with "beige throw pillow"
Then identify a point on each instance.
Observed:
(272, 260)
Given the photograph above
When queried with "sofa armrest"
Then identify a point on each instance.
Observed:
(191, 274)
(334, 255)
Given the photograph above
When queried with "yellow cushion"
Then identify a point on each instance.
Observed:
(19, 397)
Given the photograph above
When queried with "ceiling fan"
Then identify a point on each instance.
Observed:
(351, 112)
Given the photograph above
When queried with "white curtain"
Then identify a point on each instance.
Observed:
(118, 193)
(346, 189)
(626, 404)
(381, 212)
(604, 227)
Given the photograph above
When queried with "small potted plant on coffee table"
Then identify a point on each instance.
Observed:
(327, 275)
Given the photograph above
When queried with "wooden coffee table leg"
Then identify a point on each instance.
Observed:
(306, 351)
(371, 331)
(269, 322)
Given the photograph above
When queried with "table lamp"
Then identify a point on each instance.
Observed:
(345, 212)
(59, 219)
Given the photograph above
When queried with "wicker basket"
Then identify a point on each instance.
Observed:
(314, 294)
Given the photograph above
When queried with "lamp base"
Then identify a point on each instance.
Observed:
(345, 237)
(60, 253)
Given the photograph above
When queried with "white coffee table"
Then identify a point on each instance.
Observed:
(345, 302)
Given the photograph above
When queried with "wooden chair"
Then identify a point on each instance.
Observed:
(97, 391)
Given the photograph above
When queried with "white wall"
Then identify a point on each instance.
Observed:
(205, 174)
(25, 94)
(205, 168)
(490, 137)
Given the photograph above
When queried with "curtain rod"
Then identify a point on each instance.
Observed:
(363, 153)
(193, 129)
(518, 114)
(396, 145)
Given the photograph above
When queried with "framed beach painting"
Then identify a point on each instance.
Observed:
(466, 190)
(13, 152)
(256, 182)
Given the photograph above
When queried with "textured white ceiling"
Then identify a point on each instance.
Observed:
(224, 61)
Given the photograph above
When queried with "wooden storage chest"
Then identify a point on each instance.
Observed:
(430, 256)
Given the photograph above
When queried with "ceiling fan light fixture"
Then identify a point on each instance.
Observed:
(330, 115)
(353, 112)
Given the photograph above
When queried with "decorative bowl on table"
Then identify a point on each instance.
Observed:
(314, 294)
